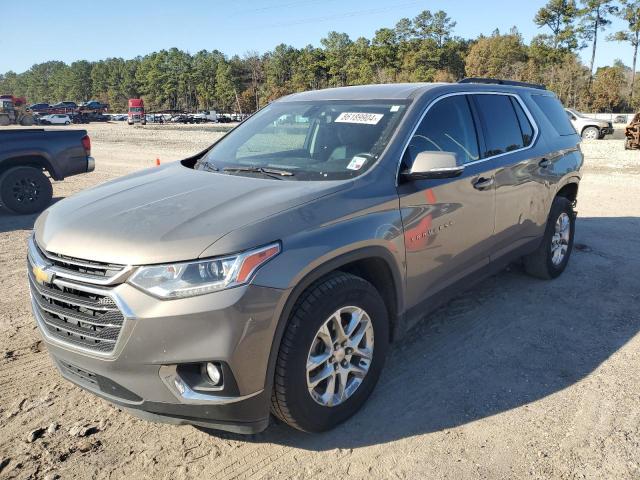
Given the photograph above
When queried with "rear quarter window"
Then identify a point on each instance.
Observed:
(555, 113)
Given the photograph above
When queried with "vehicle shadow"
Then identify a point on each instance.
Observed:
(10, 221)
(508, 342)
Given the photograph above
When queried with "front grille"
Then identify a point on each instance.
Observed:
(89, 271)
(77, 317)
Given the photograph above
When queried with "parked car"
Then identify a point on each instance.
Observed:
(27, 155)
(67, 105)
(206, 116)
(270, 272)
(79, 118)
(589, 128)
(55, 119)
(620, 119)
(39, 107)
(99, 117)
(184, 118)
(94, 105)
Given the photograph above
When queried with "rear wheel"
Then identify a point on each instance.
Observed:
(25, 190)
(331, 354)
(590, 133)
(552, 256)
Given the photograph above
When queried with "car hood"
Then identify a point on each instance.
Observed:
(166, 214)
(594, 120)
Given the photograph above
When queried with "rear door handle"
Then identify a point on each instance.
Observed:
(544, 163)
(483, 183)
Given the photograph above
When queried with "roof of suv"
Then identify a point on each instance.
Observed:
(399, 91)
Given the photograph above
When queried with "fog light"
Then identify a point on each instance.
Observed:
(214, 373)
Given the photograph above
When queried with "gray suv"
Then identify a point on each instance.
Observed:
(269, 273)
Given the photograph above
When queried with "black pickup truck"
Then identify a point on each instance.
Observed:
(27, 154)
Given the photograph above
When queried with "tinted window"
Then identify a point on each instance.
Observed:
(501, 127)
(525, 125)
(552, 109)
(447, 127)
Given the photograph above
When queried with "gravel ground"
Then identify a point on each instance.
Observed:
(515, 378)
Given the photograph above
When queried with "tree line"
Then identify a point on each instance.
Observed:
(420, 49)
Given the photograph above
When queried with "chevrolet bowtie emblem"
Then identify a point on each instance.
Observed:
(41, 275)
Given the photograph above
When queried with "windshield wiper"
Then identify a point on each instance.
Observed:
(209, 167)
(269, 172)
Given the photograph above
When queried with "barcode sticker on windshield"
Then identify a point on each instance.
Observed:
(359, 117)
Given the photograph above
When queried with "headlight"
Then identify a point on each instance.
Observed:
(188, 279)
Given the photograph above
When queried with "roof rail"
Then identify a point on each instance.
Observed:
(498, 81)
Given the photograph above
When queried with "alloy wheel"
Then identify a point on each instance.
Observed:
(25, 190)
(340, 356)
(560, 239)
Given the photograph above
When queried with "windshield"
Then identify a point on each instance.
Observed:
(328, 140)
(135, 109)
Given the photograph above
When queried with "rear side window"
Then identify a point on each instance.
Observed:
(501, 126)
(525, 125)
(447, 127)
(557, 116)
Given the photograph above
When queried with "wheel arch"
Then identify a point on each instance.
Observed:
(37, 160)
(569, 190)
(590, 126)
(374, 264)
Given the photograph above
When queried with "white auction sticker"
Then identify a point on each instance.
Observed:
(356, 163)
(360, 117)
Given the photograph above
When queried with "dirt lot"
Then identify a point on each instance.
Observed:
(516, 378)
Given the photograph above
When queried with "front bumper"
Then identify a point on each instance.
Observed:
(606, 131)
(234, 327)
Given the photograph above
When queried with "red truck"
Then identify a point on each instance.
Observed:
(136, 112)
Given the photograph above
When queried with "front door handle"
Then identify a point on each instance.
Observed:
(544, 163)
(483, 183)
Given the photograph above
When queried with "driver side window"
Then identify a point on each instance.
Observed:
(447, 127)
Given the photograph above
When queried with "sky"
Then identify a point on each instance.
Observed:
(34, 31)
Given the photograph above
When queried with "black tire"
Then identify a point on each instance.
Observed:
(67, 122)
(540, 263)
(291, 401)
(25, 190)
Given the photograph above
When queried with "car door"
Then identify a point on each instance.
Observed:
(509, 132)
(448, 223)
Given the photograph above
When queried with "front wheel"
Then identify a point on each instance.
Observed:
(552, 256)
(590, 133)
(331, 354)
(67, 123)
(25, 190)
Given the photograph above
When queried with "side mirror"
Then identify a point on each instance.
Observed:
(429, 165)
